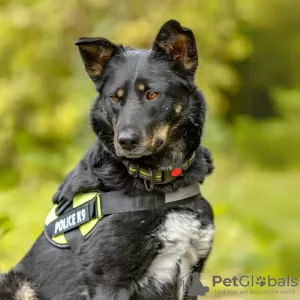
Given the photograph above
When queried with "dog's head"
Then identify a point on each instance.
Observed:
(147, 105)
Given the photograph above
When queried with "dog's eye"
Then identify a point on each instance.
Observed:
(152, 95)
(118, 95)
(115, 98)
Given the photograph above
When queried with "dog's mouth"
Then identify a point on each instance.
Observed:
(165, 154)
(141, 150)
(146, 148)
(133, 156)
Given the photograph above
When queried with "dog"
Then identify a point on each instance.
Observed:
(148, 118)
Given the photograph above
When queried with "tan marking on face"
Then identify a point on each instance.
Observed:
(178, 146)
(120, 93)
(26, 292)
(178, 108)
(141, 87)
(160, 132)
(146, 143)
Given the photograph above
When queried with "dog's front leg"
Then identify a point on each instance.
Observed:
(81, 179)
(111, 293)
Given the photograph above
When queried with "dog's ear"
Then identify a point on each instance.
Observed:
(96, 53)
(179, 44)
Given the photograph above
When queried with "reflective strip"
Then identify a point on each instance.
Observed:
(144, 172)
(60, 239)
(86, 228)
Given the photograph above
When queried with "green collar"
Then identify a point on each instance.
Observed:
(156, 176)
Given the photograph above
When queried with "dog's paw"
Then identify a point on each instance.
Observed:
(56, 197)
(63, 198)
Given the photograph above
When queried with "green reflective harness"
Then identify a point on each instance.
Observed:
(74, 226)
(82, 217)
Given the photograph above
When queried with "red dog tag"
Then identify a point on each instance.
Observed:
(176, 172)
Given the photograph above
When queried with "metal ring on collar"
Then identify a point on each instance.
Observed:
(152, 181)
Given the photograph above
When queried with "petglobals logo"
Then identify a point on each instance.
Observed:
(251, 281)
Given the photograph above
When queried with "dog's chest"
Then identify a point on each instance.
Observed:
(151, 252)
(185, 241)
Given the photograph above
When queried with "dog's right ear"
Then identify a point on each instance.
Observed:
(96, 53)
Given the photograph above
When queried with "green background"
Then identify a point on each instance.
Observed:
(249, 72)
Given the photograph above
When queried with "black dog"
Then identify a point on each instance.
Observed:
(148, 115)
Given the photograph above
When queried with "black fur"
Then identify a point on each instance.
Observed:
(115, 261)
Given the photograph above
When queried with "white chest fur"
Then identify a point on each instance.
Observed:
(185, 241)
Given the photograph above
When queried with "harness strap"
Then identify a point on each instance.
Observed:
(70, 229)
(116, 202)
(74, 239)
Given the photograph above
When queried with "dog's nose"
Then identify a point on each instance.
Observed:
(128, 139)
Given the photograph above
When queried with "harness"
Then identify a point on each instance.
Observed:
(75, 225)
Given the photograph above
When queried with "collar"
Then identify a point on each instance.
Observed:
(156, 176)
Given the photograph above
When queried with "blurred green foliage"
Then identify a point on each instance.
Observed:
(248, 70)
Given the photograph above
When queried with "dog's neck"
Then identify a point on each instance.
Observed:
(157, 175)
(119, 177)
(162, 161)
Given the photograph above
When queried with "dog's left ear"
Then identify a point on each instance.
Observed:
(179, 44)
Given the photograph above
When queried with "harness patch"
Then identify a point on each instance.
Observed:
(84, 215)
(72, 220)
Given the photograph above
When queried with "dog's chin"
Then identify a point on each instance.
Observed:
(171, 160)
(163, 161)
(132, 155)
